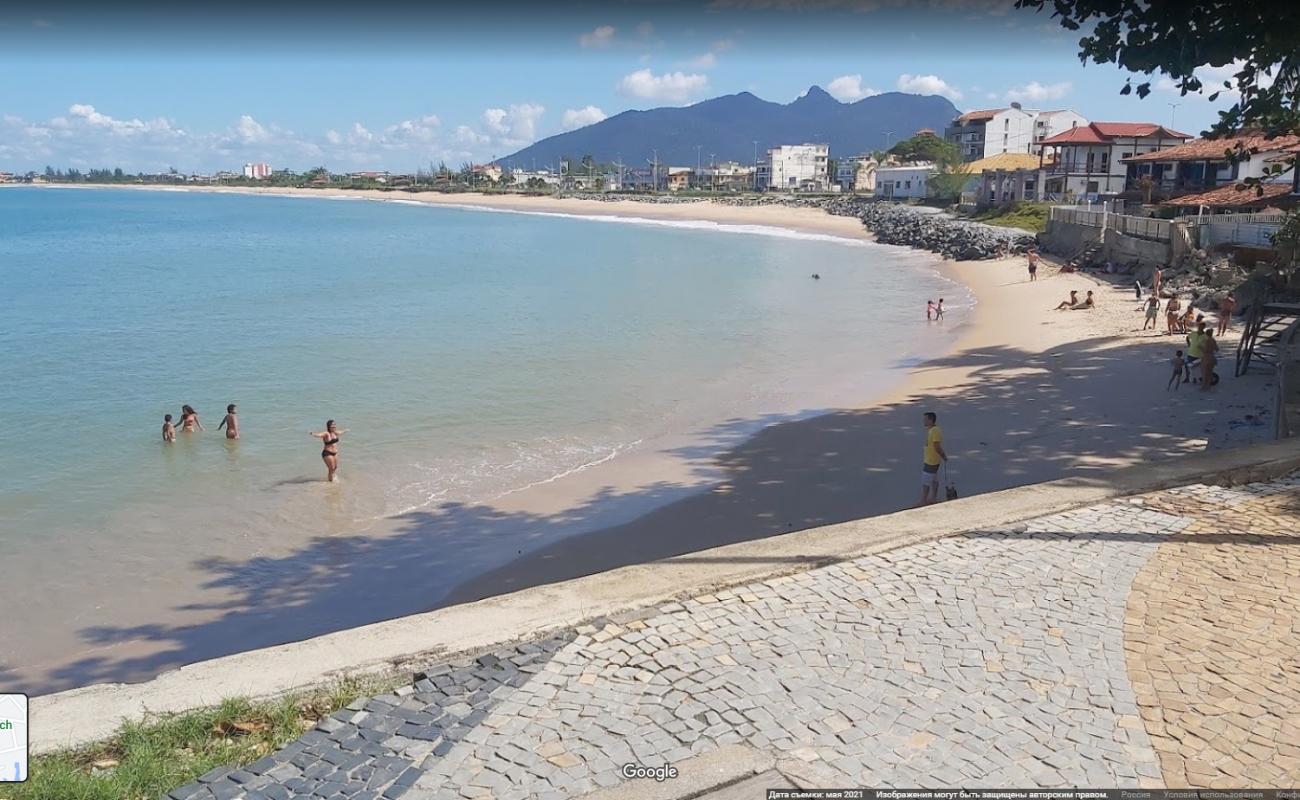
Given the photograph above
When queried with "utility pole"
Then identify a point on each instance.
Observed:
(1172, 108)
(755, 141)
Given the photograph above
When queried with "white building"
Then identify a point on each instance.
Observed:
(903, 182)
(257, 171)
(727, 176)
(1050, 123)
(857, 174)
(795, 168)
(992, 131)
(1090, 159)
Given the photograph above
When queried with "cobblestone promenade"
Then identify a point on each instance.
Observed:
(1151, 641)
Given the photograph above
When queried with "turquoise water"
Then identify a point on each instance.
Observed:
(469, 354)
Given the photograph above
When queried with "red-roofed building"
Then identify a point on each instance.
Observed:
(1203, 164)
(1090, 158)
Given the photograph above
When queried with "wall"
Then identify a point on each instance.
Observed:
(1066, 238)
(1123, 249)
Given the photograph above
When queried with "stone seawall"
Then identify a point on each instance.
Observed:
(891, 223)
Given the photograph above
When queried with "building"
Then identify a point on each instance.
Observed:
(858, 174)
(728, 176)
(992, 131)
(490, 172)
(1201, 165)
(6, 177)
(538, 178)
(371, 176)
(257, 171)
(795, 168)
(679, 178)
(1089, 160)
(1004, 178)
(1050, 123)
(903, 181)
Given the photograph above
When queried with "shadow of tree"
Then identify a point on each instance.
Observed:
(1020, 417)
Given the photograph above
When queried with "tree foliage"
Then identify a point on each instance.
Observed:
(1261, 41)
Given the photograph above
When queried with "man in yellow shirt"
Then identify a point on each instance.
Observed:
(934, 456)
(1194, 341)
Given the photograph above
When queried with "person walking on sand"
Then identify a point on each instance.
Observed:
(1155, 281)
(1226, 306)
(190, 420)
(1171, 315)
(1153, 311)
(933, 456)
(1195, 342)
(1179, 367)
(330, 454)
(168, 430)
(1032, 258)
(230, 423)
(1209, 357)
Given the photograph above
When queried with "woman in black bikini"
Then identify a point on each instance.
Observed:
(330, 454)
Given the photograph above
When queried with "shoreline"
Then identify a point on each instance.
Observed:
(1025, 395)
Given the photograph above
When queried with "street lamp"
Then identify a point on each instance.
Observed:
(1172, 108)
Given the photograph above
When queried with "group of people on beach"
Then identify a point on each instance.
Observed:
(189, 423)
(933, 310)
(1202, 355)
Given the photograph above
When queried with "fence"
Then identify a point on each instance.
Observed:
(1159, 230)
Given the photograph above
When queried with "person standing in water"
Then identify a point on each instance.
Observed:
(168, 430)
(938, 309)
(230, 423)
(330, 454)
(190, 420)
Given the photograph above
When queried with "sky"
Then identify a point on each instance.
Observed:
(386, 85)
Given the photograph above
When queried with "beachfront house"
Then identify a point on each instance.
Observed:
(1088, 161)
(727, 176)
(257, 171)
(795, 168)
(1004, 178)
(1202, 165)
(903, 181)
(1050, 123)
(679, 178)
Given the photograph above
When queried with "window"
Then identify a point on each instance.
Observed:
(1125, 155)
(909, 185)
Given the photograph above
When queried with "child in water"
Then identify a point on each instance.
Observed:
(938, 310)
(169, 430)
(230, 423)
(1179, 365)
(929, 309)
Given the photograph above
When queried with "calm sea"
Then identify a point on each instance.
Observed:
(469, 354)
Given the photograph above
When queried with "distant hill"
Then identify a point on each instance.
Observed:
(727, 127)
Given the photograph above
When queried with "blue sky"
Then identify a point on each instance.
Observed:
(377, 86)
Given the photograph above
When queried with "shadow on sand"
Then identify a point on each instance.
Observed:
(1022, 417)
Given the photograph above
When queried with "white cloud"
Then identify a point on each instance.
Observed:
(468, 136)
(250, 131)
(723, 45)
(849, 88)
(602, 36)
(927, 84)
(1212, 79)
(412, 131)
(1035, 92)
(87, 115)
(515, 126)
(581, 117)
(333, 137)
(703, 62)
(360, 134)
(673, 86)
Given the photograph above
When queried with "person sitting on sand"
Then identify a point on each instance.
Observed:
(1088, 302)
(1185, 324)
(1072, 302)
(169, 430)
(1153, 311)
(1179, 367)
(1171, 315)
(230, 423)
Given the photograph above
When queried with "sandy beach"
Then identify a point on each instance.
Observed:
(1025, 394)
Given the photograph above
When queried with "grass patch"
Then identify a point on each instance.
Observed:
(1031, 217)
(146, 760)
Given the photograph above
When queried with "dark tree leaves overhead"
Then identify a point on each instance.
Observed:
(1175, 38)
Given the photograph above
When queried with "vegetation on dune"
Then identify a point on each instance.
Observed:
(146, 760)
(1031, 217)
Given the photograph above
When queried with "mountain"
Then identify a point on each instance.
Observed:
(727, 127)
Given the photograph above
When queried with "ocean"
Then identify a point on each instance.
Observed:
(471, 355)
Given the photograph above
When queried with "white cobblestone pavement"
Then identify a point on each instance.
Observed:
(991, 658)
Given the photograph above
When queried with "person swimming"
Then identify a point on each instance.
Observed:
(190, 420)
(330, 453)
